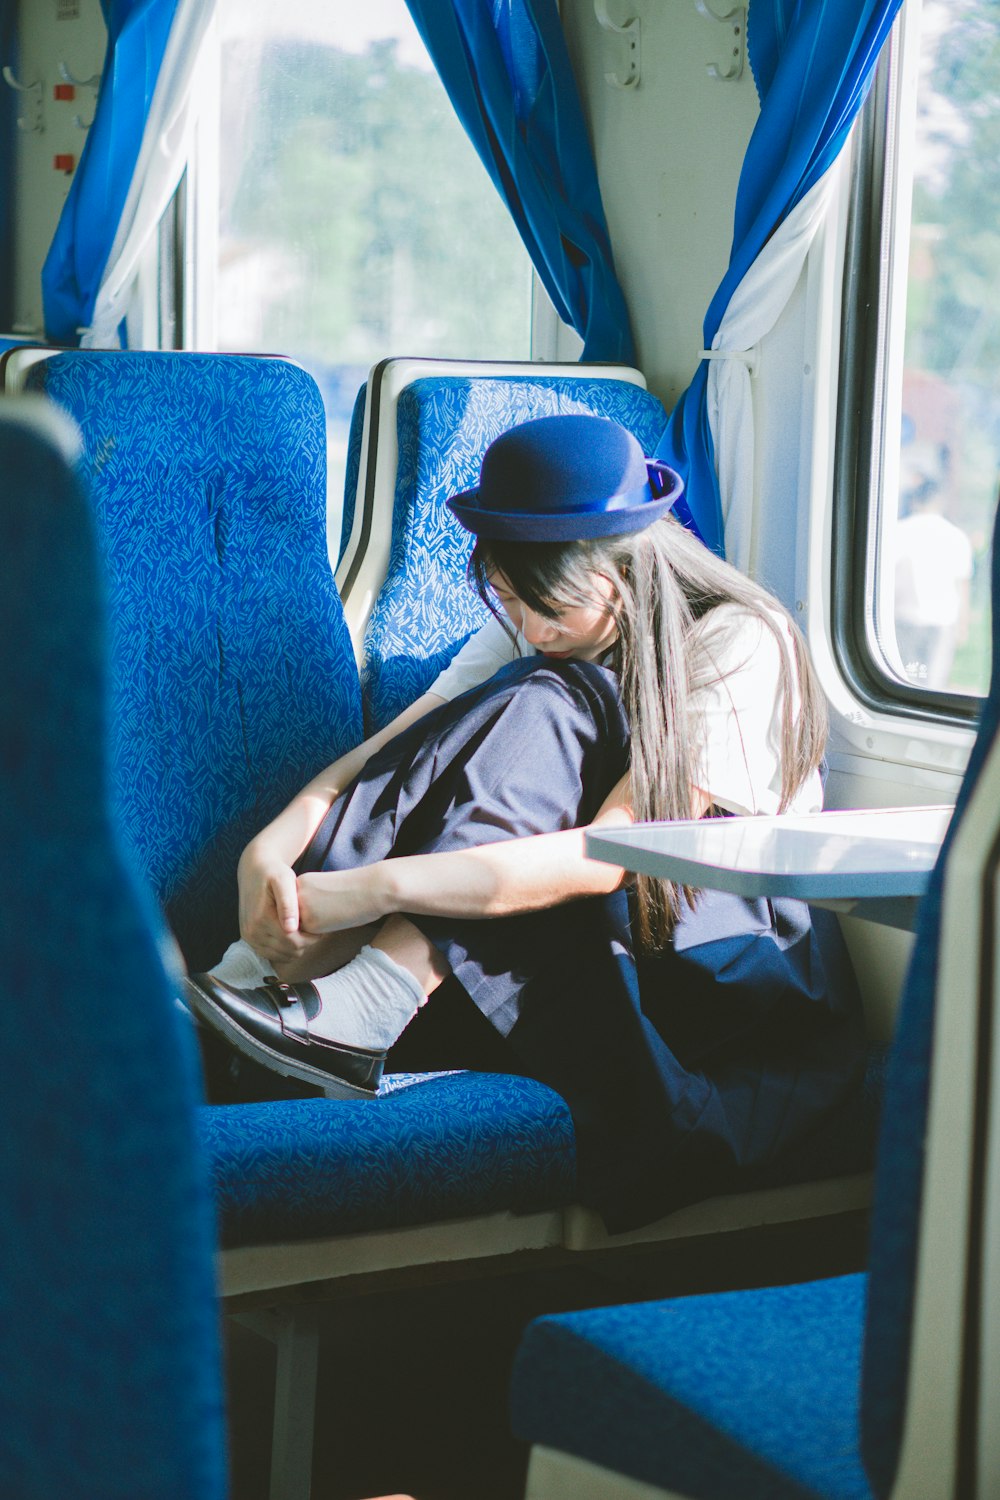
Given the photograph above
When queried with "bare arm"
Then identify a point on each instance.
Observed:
(269, 909)
(494, 880)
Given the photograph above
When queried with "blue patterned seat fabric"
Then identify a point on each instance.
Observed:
(109, 1340)
(234, 681)
(687, 1394)
(440, 1148)
(425, 609)
(233, 675)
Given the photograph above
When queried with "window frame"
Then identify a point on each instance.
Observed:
(875, 227)
(197, 230)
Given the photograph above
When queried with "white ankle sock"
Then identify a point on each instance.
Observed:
(368, 1002)
(241, 966)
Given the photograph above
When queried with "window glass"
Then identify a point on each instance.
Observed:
(355, 220)
(942, 393)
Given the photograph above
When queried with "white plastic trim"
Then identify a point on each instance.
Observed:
(729, 1213)
(255, 1268)
(561, 1476)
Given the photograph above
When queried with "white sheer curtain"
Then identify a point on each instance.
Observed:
(753, 311)
(161, 162)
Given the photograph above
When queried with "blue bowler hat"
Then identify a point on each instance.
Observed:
(564, 479)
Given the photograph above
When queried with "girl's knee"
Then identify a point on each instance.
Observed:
(577, 688)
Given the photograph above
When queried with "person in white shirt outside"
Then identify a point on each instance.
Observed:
(628, 674)
(933, 569)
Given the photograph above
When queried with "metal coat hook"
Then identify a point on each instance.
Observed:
(12, 82)
(630, 34)
(30, 116)
(80, 83)
(735, 20)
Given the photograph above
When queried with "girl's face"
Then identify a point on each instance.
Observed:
(584, 632)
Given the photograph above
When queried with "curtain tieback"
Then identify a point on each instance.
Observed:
(746, 357)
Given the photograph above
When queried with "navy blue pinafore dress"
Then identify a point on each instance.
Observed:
(691, 1071)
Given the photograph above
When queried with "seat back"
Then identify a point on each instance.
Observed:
(108, 1319)
(931, 1311)
(16, 358)
(352, 469)
(427, 426)
(234, 677)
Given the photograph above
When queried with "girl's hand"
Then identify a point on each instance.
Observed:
(269, 908)
(334, 900)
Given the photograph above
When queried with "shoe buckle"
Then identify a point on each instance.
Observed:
(284, 994)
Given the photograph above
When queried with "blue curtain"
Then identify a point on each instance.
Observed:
(507, 72)
(8, 117)
(813, 62)
(137, 37)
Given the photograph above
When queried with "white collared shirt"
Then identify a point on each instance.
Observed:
(738, 703)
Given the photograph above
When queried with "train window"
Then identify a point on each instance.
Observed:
(928, 365)
(338, 210)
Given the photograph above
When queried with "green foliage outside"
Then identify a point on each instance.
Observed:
(953, 309)
(957, 329)
(353, 172)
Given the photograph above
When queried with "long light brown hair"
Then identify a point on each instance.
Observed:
(663, 581)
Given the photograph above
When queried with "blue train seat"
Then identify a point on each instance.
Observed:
(234, 678)
(17, 355)
(427, 424)
(234, 681)
(430, 1148)
(855, 1386)
(108, 1314)
(409, 607)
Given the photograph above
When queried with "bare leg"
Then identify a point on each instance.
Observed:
(397, 936)
(371, 998)
(407, 946)
(327, 956)
(416, 795)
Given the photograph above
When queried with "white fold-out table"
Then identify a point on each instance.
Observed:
(873, 864)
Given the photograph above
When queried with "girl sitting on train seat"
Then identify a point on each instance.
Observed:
(697, 1037)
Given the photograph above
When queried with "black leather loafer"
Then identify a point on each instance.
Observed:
(270, 1024)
